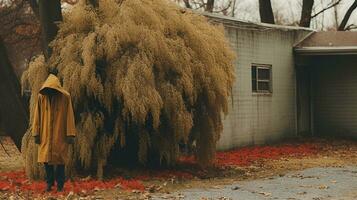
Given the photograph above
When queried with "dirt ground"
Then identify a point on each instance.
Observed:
(10, 157)
(333, 153)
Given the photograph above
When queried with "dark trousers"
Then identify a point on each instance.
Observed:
(52, 175)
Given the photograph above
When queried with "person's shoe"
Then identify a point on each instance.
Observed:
(59, 188)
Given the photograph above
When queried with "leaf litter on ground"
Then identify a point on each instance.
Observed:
(247, 160)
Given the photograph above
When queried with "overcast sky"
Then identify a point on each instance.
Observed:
(290, 10)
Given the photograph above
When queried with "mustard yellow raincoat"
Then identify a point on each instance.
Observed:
(53, 121)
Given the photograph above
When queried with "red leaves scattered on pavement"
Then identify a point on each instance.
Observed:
(248, 155)
(17, 181)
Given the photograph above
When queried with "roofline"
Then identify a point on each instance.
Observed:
(304, 38)
(342, 50)
(232, 19)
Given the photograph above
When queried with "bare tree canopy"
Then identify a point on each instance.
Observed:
(305, 13)
(225, 7)
(332, 5)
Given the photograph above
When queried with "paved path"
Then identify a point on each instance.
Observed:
(310, 184)
(10, 156)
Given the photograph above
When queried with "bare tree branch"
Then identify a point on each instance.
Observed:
(335, 16)
(223, 10)
(226, 7)
(199, 5)
(328, 7)
(347, 16)
(234, 7)
(351, 27)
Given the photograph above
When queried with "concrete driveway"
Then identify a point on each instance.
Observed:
(310, 184)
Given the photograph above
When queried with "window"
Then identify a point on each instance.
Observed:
(261, 78)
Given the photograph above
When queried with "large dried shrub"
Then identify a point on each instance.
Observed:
(144, 76)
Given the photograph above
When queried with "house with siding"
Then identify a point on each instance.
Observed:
(326, 65)
(283, 90)
(290, 81)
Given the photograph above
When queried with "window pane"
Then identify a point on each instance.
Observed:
(254, 85)
(261, 78)
(263, 74)
(264, 86)
(254, 78)
(254, 72)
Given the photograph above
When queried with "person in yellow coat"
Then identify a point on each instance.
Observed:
(54, 129)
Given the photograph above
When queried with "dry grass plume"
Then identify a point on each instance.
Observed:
(141, 68)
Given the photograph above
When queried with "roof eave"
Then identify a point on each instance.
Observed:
(350, 50)
(266, 25)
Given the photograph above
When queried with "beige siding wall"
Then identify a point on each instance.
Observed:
(254, 118)
(335, 96)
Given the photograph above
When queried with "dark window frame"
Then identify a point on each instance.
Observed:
(258, 82)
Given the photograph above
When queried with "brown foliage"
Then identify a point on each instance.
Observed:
(140, 68)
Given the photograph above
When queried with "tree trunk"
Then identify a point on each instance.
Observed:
(306, 11)
(187, 4)
(209, 5)
(50, 14)
(266, 12)
(100, 169)
(13, 112)
(347, 16)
